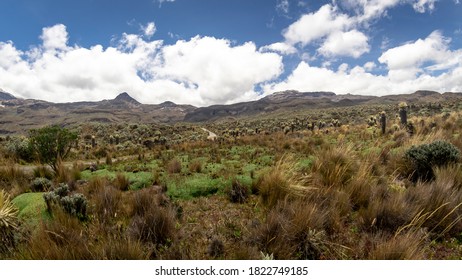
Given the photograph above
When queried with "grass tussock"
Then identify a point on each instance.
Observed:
(153, 219)
(121, 182)
(173, 166)
(294, 229)
(406, 246)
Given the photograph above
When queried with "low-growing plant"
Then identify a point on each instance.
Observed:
(424, 158)
(121, 182)
(174, 166)
(8, 222)
(40, 185)
(74, 204)
(238, 192)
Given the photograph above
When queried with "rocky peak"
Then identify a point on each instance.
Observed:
(125, 97)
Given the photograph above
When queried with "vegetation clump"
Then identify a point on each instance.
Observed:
(73, 204)
(8, 222)
(424, 158)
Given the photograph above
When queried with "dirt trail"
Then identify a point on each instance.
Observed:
(212, 136)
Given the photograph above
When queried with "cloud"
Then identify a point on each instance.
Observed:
(55, 37)
(422, 64)
(314, 26)
(434, 48)
(358, 81)
(352, 43)
(343, 24)
(149, 29)
(217, 71)
(282, 6)
(200, 71)
(280, 47)
(162, 1)
(422, 6)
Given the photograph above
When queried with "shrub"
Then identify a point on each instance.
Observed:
(52, 143)
(40, 184)
(75, 204)
(20, 148)
(425, 157)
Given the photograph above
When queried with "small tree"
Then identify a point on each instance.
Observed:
(51, 143)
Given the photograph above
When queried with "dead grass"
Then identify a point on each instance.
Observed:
(407, 246)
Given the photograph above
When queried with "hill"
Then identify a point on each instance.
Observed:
(19, 115)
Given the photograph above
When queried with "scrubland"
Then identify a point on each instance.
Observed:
(303, 190)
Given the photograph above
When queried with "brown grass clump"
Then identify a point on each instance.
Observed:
(153, 220)
(238, 192)
(43, 171)
(440, 205)
(195, 166)
(13, 180)
(386, 213)
(61, 238)
(407, 246)
(294, 230)
(174, 166)
(333, 167)
(106, 204)
(280, 182)
(121, 182)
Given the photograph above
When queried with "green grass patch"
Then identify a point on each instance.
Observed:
(32, 207)
(138, 180)
(194, 186)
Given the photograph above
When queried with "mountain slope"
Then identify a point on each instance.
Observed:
(20, 115)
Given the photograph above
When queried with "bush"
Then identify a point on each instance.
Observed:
(20, 148)
(51, 144)
(75, 204)
(40, 184)
(425, 157)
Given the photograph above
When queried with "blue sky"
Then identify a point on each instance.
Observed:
(205, 52)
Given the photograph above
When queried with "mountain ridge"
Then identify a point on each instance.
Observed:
(18, 115)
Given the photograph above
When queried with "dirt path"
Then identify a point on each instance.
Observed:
(212, 136)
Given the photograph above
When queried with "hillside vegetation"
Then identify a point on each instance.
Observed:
(370, 181)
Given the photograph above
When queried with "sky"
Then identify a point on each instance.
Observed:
(205, 52)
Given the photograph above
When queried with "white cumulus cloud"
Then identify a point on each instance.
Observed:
(352, 43)
(314, 26)
(55, 37)
(200, 71)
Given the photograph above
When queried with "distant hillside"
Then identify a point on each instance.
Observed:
(19, 115)
(292, 100)
(276, 102)
(5, 95)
